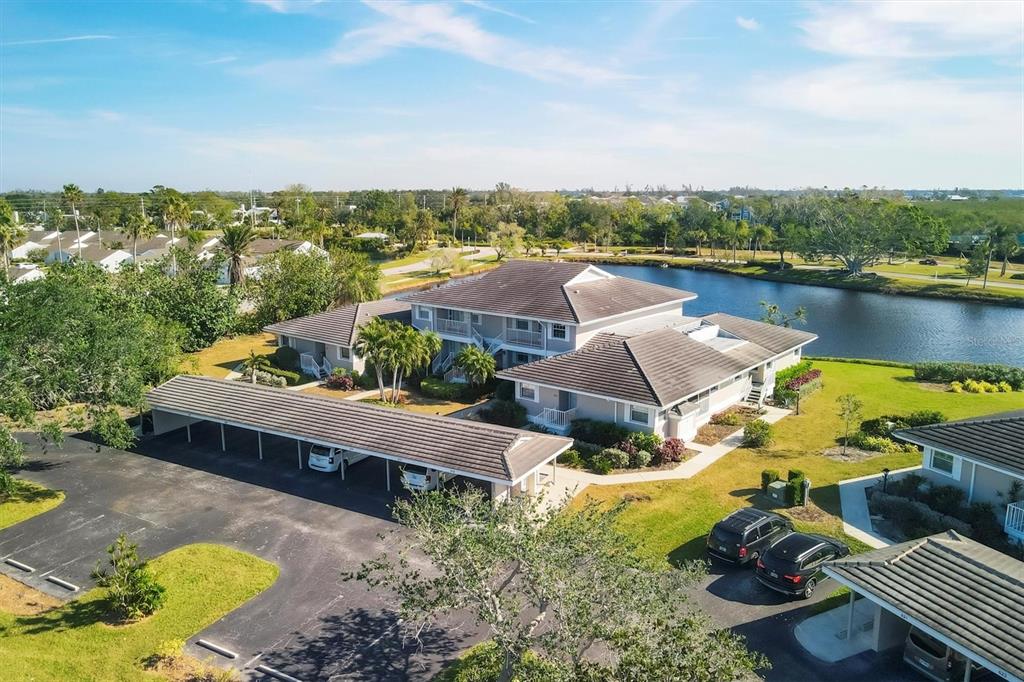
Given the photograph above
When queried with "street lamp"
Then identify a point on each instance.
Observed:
(885, 478)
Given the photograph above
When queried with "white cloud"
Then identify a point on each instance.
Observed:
(67, 39)
(107, 115)
(439, 27)
(488, 7)
(286, 6)
(219, 60)
(748, 24)
(915, 28)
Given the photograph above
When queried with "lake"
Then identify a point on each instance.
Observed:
(858, 324)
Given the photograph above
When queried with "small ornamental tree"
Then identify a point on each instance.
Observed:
(849, 411)
(478, 364)
(556, 589)
(132, 591)
(111, 429)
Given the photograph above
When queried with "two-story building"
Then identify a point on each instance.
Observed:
(530, 310)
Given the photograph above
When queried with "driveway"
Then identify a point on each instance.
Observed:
(734, 599)
(309, 624)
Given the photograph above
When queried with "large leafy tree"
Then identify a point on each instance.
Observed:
(507, 240)
(235, 243)
(559, 589)
(293, 285)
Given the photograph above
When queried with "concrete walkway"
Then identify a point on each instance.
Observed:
(824, 635)
(854, 504)
(572, 481)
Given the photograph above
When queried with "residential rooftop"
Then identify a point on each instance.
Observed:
(995, 439)
(340, 326)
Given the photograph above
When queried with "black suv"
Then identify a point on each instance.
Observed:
(745, 534)
(793, 565)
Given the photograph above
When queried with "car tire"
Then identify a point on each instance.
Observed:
(809, 588)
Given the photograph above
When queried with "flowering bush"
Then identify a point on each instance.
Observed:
(340, 381)
(805, 378)
(672, 450)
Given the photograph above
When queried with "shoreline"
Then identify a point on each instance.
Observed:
(878, 284)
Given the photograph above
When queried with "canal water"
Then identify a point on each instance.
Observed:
(858, 324)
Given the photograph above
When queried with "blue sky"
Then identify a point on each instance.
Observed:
(233, 95)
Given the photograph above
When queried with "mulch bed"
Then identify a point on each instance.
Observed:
(711, 434)
(852, 454)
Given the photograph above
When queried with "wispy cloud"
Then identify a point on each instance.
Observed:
(220, 60)
(439, 27)
(748, 24)
(488, 7)
(65, 39)
(286, 6)
(915, 29)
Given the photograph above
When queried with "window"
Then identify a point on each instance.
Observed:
(639, 415)
(285, 341)
(476, 318)
(423, 313)
(558, 331)
(528, 392)
(522, 325)
(945, 463)
(522, 358)
(344, 352)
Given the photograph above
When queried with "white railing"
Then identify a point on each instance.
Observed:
(455, 327)
(520, 337)
(1014, 524)
(561, 419)
(478, 339)
(495, 343)
(309, 365)
(443, 362)
(455, 376)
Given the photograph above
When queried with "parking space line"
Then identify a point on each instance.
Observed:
(226, 653)
(19, 565)
(276, 674)
(62, 583)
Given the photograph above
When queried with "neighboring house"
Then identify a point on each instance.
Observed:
(260, 249)
(108, 259)
(983, 456)
(383, 236)
(24, 250)
(666, 375)
(326, 340)
(528, 310)
(18, 275)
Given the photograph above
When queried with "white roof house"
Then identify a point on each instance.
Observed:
(24, 273)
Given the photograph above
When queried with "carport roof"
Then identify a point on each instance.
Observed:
(473, 449)
(965, 592)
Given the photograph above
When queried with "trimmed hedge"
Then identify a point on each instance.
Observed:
(433, 387)
(795, 487)
(768, 476)
(948, 372)
(286, 357)
(291, 377)
(504, 413)
(505, 390)
(605, 434)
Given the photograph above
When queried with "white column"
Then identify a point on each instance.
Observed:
(298, 449)
(188, 432)
(387, 469)
(259, 440)
(342, 467)
(223, 444)
(849, 617)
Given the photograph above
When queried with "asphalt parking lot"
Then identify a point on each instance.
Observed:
(734, 599)
(309, 624)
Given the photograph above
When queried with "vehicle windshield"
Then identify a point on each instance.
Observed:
(724, 536)
(320, 450)
(928, 644)
(418, 471)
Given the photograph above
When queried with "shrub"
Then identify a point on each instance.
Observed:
(290, 378)
(878, 443)
(600, 465)
(645, 441)
(504, 413)
(914, 519)
(641, 459)
(441, 389)
(286, 357)
(132, 591)
(265, 379)
(956, 387)
(7, 485)
(1004, 387)
(796, 383)
(795, 487)
(726, 419)
(672, 450)
(782, 377)
(571, 458)
(368, 379)
(605, 434)
(12, 451)
(110, 429)
(619, 459)
(768, 476)
(340, 380)
(925, 417)
(758, 434)
(948, 372)
(946, 499)
(505, 390)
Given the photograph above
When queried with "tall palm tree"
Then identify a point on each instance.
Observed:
(138, 226)
(255, 363)
(374, 345)
(762, 236)
(235, 243)
(1007, 242)
(10, 231)
(477, 364)
(358, 278)
(459, 198)
(177, 214)
(74, 196)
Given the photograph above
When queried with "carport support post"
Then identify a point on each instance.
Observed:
(223, 444)
(849, 617)
(387, 468)
(298, 449)
(259, 441)
(188, 432)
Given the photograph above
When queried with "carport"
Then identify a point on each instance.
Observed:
(508, 460)
(966, 595)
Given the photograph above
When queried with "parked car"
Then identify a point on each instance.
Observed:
(741, 537)
(928, 261)
(323, 458)
(422, 479)
(793, 565)
(936, 661)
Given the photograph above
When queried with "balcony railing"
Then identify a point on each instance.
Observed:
(454, 327)
(520, 337)
(1014, 524)
(556, 420)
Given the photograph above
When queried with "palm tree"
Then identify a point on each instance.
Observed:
(358, 278)
(138, 226)
(762, 236)
(235, 243)
(255, 363)
(1007, 242)
(477, 364)
(177, 213)
(10, 231)
(459, 198)
(74, 196)
(374, 346)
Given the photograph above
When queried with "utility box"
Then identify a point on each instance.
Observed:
(777, 491)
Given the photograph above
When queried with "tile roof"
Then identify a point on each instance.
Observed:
(659, 367)
(263, 247)
(339, 326)
(470, 448)
(969, 593)
(542, 290)
(775, 338)
(996, 439)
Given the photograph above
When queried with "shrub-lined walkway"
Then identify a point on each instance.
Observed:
(74, 642)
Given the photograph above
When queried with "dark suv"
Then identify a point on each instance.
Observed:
(793, 565)
(745, 534)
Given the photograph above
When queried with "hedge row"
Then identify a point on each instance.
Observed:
(948, 372)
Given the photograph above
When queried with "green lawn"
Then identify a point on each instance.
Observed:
(671, 518)
(227, 353)
(29, 500)
(204, 582)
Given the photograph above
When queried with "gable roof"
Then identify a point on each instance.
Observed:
(996, 439)
(775, 338)
(545, 290)
(968, 593)
(658, 367)
(340, 326)
(466, 447)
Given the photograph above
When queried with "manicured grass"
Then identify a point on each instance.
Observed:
(407, 260)
(422, 278)
(417, 402)
(671, 518)
(29, 499)
(204, 582)
(223, 356)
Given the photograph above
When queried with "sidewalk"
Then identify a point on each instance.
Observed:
(854, 504)
(572, 481)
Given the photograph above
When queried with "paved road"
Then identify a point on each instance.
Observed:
(482, 253)
(309, 624)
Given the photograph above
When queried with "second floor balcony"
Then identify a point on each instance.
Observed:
(455, 327)
(523, 337)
